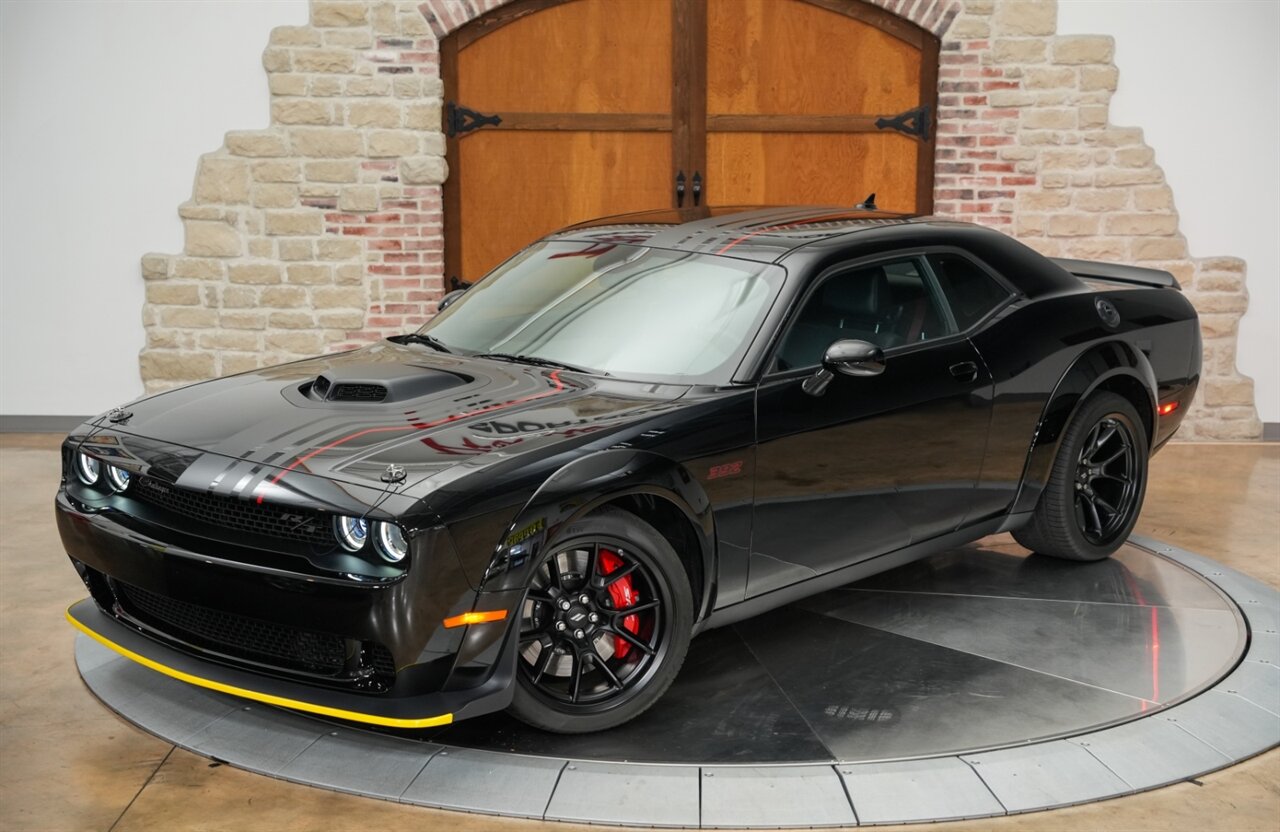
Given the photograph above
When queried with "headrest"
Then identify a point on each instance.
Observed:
(864, 292)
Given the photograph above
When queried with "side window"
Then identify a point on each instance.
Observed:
(971, 292)
(888, 304)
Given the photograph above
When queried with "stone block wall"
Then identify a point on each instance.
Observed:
(324, 230)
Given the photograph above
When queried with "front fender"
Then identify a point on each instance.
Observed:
(586, 484)
(1102, 365)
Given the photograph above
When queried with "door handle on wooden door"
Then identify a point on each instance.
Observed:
(697, 187)
(964, 371)
(680, 189)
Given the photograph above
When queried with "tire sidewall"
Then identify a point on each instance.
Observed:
(1101, 406)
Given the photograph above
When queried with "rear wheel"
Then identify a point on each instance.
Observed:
(1097, 484)
(604, 628)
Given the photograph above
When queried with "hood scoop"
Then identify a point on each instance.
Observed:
(325, 390)
(373, 384)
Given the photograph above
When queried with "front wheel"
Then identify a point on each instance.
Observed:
(1096, 487)
(604, 627)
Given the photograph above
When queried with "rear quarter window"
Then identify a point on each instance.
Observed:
(970, 290)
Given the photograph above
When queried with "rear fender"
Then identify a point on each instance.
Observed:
(586, 484)
(1111, 365)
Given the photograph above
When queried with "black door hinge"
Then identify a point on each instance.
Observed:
(915, 122)
(681, 184)
(459, 120)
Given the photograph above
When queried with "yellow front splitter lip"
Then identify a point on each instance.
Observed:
(280, 701)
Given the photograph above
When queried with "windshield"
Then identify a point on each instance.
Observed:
(628, 311)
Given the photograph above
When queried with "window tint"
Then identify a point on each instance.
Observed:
(971, 292)
(888, 304)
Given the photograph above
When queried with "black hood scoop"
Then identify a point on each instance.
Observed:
(381, 383)
(353, 392)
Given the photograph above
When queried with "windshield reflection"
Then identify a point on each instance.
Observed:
(620, 310)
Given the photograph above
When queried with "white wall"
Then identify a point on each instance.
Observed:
(105, 108)
(1202, 79)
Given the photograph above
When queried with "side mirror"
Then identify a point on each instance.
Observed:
(448, 299)
(849, 358)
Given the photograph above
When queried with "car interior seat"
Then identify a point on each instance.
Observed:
(858, 305)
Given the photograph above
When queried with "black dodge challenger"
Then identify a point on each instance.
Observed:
(633, 430)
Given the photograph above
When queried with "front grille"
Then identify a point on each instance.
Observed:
(358, 393)
(234, 513)
(236, 635)
(261, 642)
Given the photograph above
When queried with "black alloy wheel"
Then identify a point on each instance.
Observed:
(604, 627)
(1106, 473)
(1091, 501)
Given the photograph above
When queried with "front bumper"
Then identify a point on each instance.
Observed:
(422, 712)
(440, 674)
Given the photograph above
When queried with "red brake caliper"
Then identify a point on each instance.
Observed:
(623, 595)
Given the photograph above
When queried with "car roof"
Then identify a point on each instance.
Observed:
(764, 234)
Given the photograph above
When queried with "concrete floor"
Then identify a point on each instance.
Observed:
(67, 763)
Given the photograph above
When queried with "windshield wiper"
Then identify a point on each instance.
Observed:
(539, 362)
(419, 338)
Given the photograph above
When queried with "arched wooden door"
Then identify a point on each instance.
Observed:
(557, 111)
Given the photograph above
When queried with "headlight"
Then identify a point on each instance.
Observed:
(87, 468)
(118, 477)
(352, 532)
(391, 543)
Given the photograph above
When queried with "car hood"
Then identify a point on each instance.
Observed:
(437, 411)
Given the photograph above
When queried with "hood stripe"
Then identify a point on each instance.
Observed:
(555, 379)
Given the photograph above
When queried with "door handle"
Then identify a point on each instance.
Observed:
(680, 189)
(697, 187)
(965, 371)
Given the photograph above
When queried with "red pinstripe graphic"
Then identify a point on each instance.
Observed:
(793, 224)
(554, 376)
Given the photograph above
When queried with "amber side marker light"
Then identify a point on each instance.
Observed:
(1167, 408)
(475, 618)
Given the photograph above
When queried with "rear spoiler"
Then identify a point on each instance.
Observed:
(1117, 273)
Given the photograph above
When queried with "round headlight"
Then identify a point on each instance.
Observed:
(391, 543)
(87, 468)
(118, 477)
(352, 532)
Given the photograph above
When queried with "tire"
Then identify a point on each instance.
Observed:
(592, 666)
(1072, 521)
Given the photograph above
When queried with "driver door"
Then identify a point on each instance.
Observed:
(873, 463)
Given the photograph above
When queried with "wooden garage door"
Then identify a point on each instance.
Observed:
(559, 111)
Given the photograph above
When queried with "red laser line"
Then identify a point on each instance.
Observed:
(1155, 655)
(554, 376)
(1155, 638)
